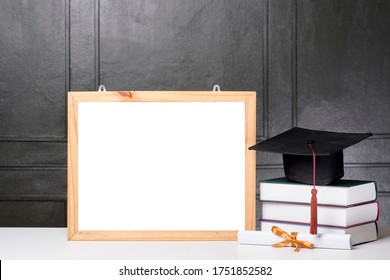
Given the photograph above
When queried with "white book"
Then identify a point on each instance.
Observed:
(360, 234)
(343, 193)
(327, 215)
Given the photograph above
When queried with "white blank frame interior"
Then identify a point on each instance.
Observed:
(153, 165)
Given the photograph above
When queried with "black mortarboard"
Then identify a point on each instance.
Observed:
(298, 156)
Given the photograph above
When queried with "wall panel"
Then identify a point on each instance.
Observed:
(316, 64)
(34, 77)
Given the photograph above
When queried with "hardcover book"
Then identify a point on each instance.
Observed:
(342, 193)
(340, 216)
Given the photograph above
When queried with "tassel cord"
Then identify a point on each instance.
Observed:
(313, 203)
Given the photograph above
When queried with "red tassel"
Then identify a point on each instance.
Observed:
(313, 212)
(313, 203)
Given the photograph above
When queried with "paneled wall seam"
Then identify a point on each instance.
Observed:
(346, 165)
(294, 64)
(380, 136)
(35, 198)
(34, 139)
(97, 42)
(265, 71)
(67, 61)
(35, 168)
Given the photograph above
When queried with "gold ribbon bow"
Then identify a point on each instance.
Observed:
(290, 239)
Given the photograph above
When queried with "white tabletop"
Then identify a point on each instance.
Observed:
(52, 243)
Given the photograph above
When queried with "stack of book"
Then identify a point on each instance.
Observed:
(346, 207)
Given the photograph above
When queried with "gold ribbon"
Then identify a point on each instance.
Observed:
(290, 239)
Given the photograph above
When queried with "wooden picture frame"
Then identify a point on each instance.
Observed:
(161, 165)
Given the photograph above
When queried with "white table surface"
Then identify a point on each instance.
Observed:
(52, 244)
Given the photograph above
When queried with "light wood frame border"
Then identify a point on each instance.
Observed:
(249, 97)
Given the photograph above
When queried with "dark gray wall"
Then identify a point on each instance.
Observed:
(33, 85)
(316, 64)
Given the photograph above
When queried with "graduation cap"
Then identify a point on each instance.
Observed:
(311, 156)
